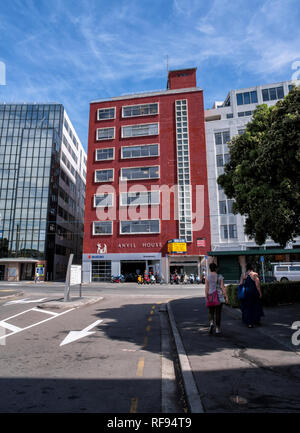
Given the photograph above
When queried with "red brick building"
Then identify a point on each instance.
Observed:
(146, 182)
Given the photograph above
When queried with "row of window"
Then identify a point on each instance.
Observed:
(270, 94)
(141, 130)
(138, 198)
(127, 152)
(132, 173)
(128, 111)
(127, 227)
(72, 136)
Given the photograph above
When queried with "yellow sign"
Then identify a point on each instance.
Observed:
(177, 247)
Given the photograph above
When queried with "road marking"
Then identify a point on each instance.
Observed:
(24, 301)
(140, 367)
(41, 310)
(76, 335)
(4, 323)
(134, 405)
(2, 334)
(10, 327)
(148, 328)
(150, 319)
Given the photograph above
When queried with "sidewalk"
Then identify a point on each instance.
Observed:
(243, 370)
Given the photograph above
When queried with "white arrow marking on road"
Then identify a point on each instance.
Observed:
(76, 335)
(24, 301)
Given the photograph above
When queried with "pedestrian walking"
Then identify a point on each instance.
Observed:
(216, 296)
(37, 277)
(250, 303)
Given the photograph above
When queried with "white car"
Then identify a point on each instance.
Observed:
(287, 272)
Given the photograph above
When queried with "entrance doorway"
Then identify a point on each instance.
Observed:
(27, 271)
(131, 269)
(2, 272)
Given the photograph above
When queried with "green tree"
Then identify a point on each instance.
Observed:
(263, 175)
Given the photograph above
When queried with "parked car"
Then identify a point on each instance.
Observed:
(268, 279)
(284, 272)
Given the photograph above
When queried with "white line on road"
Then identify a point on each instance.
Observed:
(24, 301)
(76, 335)
(4, 323)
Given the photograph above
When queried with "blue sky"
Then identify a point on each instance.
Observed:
(76, 51)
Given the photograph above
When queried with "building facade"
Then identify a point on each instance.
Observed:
(230, 245)
(146, 196)
(42, 191)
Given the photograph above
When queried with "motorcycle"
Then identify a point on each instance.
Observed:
(198, 281)
(152, 279)
(192, 279)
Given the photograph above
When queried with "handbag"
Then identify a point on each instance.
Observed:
(212, 299)
(221, 297)
(241, 291)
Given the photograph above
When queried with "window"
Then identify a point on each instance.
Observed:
(140, 110)
(229, 115)
(102, 228)
(222, 207)
(273, 93)
(140, 130)
(140, 151)
(104, 175)
(229, 205)
(229, 231)
(105, 133)
(139, 227)
(246, 98)
(220, 161)
(222, 137)
(106, 113)
(105, 154)
(232, 231)
(135, 173)
(103, 200)
(282, 268)
(241, 131)
(140, 198)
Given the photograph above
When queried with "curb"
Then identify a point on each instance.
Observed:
(60, 304)
(14, 295)
(192, 394)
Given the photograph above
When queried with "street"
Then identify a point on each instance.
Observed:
(114, 351)
(115, 366)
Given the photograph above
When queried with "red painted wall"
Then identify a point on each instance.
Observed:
(168, 170)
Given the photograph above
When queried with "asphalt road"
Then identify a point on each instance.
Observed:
(115, 365)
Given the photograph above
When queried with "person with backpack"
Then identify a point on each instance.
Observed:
(216, 296)
(250, 300)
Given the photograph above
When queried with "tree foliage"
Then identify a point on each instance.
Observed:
(263, 175)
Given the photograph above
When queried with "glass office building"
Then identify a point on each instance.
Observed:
(42, 188)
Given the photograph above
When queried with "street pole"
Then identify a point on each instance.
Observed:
(67, 284)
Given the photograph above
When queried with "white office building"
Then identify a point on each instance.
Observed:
(222, 122)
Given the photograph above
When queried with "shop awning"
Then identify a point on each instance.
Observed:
(256, 252)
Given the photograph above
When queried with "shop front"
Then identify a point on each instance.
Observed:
(101, 267)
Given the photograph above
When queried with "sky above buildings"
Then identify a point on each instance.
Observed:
(76, 51)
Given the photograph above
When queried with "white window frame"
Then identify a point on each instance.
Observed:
(103, 234)
(139, 233)
(140, 178)
(139, 105)
(125, 194)
(140, 145)
(107, 118)
(104, 205)
(103, 181)
(104, 148)
(139, 125)
(103, 139)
